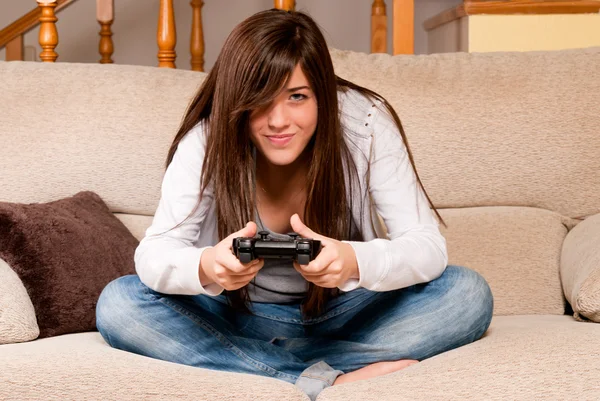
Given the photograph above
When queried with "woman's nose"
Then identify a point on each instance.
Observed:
(278, 118)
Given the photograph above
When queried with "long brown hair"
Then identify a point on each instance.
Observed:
(253, 66)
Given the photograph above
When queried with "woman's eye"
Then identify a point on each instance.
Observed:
(298, 97)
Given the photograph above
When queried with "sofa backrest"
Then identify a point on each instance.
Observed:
(486, 129)
(503, 128)
(68, 127)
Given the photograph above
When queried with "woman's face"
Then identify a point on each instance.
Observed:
(281, 130)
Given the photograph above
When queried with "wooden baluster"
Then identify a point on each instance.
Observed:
(166, 35)
(285, 4)
(197, 38)
(105, 15)
(378, 27)
(48, 36)
(404, 26)
(15, 49)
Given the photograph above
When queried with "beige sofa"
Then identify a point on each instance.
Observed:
(507, 144)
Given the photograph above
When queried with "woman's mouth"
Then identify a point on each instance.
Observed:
(280, 140)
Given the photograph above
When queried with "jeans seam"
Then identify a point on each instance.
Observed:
(272, 317)
(226, 342)
(338, 311)
(147, 291)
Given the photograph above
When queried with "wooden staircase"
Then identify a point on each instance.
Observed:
(44, 15)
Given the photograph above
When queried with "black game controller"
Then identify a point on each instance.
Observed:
(302, 250)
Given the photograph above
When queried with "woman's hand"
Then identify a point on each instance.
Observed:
(333, 266)
(219, 265)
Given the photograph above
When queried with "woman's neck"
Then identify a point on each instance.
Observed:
(281, 183)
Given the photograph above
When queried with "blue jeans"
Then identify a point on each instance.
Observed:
(358, 328)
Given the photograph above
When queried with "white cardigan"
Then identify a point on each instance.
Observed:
(414, 251)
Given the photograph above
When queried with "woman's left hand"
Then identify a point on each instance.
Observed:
(333, 266)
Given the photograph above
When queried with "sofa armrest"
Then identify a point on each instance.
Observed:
(580, 269)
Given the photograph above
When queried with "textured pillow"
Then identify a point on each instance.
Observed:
(65, 252)
(17, 316)
(580, 269)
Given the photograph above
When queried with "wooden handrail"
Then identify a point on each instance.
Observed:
(27, 23)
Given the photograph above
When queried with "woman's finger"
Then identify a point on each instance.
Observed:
(326, 281)
(231, 262)
(320, 263)
(245, 279)
(249, 268)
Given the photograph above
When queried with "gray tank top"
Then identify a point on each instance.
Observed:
(277, 282)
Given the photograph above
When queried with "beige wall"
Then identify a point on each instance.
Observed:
(449, 37)
(492, 33)
(346, 24)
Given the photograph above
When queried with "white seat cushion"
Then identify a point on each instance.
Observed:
(523, 357)
(83, 367)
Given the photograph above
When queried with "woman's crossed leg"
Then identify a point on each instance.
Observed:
(362, 333)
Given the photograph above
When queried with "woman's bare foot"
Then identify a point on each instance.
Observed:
(373, 370)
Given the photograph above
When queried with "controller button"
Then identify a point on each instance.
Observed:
(245, 257)
(303, 259)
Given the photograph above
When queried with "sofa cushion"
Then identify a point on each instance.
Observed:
(519, 358)
(516, 249)
(83, 367)
(580, 269)
(17, 316)
(499, 128)
(65, 252)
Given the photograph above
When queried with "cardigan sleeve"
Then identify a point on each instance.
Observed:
(166, 259)
(416, 250)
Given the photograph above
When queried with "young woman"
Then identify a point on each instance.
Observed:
(275, 141)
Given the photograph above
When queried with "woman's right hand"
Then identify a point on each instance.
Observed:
(219, 265)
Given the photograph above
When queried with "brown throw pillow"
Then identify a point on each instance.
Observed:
(65, 252)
